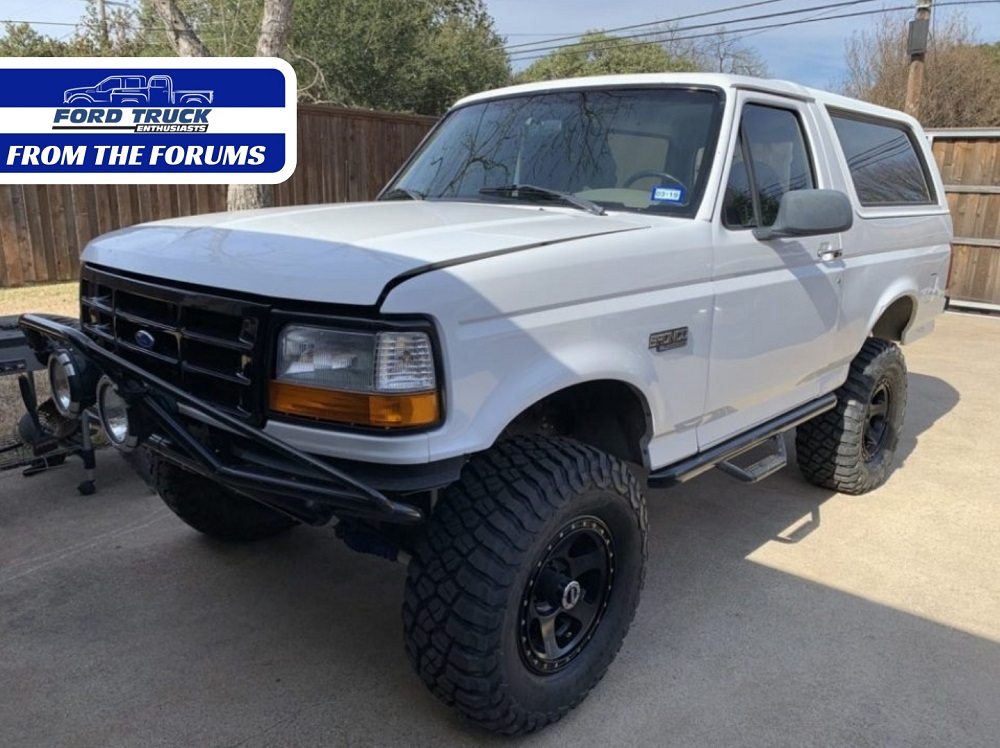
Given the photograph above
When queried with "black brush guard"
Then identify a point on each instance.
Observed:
(241, 458)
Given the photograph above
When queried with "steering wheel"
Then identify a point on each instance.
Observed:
(653, 173)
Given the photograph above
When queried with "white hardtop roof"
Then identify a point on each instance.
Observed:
(725, 82)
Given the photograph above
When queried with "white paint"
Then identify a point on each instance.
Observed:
(771, 325)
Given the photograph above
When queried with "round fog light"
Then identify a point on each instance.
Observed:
(71, 382)
(116, 417)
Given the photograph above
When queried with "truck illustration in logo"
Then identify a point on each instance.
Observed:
(115, 90)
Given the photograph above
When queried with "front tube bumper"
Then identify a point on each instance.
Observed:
(265, 469)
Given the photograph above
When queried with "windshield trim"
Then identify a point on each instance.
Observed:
(699, 188)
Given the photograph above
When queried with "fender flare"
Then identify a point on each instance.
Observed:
(902, 288)
(561, 370)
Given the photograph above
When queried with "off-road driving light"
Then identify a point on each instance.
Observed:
(71, 382)
(117, 419)
(383, 379)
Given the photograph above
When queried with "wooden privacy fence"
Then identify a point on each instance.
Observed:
(343, 155)
(969, 161)
(349, 154)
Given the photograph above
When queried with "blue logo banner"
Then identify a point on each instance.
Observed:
(148, 120)
(152, 86)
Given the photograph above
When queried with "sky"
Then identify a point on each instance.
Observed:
(812, 54)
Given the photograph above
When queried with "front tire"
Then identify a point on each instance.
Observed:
(522, 592)
(851, 449)
(210, 509)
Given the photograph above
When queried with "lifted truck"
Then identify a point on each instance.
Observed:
(570, 289)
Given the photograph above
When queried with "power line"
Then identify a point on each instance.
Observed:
(737, 35)
(40, 23)
(509, 47)
(86, 23)
(527, 54)
(610, 44)
(653, 23)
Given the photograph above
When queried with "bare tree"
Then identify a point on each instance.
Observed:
(274, 27)
(724, 53)
(961, 77)
(717, 52)
(182, 37)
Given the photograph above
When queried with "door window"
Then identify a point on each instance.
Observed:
(771, 158)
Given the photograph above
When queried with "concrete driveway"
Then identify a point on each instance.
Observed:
(774, 615)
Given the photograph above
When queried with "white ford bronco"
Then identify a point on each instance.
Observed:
(571, 290)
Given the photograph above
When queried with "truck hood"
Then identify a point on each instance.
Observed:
(343, 254)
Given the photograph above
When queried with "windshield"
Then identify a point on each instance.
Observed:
(642, 150)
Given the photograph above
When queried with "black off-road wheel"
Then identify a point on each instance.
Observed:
(210, 509)
(851, 449)
(526, 584)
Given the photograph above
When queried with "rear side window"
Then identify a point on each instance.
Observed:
(885, 165)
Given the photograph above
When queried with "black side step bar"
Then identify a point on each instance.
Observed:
(685, 470)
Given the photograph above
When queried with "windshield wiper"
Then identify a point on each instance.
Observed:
(402, 193)
(530, 191)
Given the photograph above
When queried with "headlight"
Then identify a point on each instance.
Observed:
(374, 379)
(326, 358)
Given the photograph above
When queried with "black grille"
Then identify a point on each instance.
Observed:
(209, 345)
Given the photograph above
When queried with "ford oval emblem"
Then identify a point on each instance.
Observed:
(145, 340)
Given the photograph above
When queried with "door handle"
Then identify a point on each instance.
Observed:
(827, 254)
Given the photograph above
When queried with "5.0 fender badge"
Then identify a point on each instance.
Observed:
(667, 340)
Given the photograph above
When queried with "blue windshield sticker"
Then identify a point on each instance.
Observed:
(188, 120)
(667, 195)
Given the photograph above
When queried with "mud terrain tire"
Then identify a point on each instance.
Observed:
(851, 449)
(526, 584)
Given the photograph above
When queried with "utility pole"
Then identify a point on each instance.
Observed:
(103, 32)
(102, 20)
(917, 49)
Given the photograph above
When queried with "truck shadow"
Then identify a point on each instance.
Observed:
(928, 399)
(297, 640)
(721, 644)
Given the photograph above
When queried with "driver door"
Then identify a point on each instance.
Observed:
(777, 302)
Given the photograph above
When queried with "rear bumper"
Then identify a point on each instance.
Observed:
(207, 440)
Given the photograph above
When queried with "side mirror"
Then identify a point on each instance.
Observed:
(808, 213)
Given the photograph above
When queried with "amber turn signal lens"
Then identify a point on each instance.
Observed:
(357, 408)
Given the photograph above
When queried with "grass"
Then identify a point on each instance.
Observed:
(50, 299)
(60, 298)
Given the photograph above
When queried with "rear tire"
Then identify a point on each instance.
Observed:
(210, 509)
(851, 449)
(527, 581)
